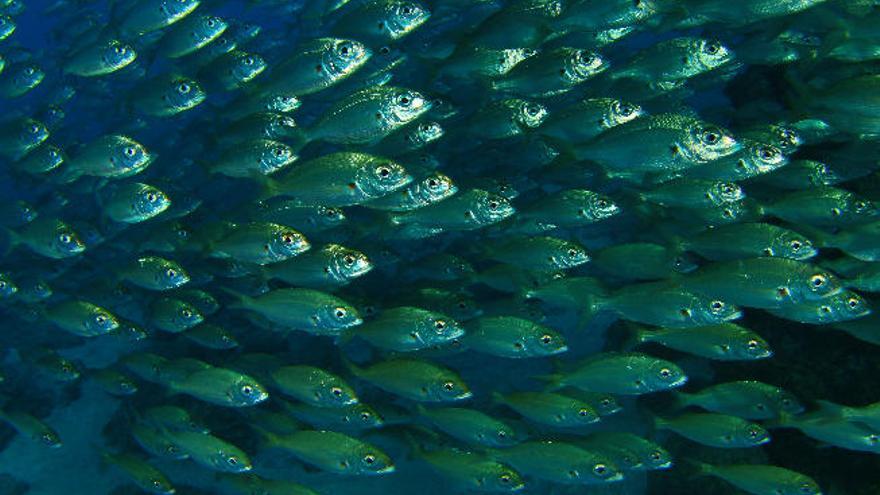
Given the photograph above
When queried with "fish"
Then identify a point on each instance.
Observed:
(407, 329)
(512, 337)
(560, 462)
(341, 179)
(133, 202)
(142, 473)
(209, 451)
(550, 408)
(316, 65)
(716, 430)
(32, 428)
(302, 309)
(473, 471)
(747, 399)
(763, 479)
(334, 452)
(260, 243)
(723, 342)
(469, 425)
(621, 374)
(415, 379)
(314, 386)
(100, 59)
(766, 282)
(82, 318)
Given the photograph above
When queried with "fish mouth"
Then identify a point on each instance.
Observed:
(386, 470)
(616, 477)
(678, 383)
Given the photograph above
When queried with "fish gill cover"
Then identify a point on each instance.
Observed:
(439, 247)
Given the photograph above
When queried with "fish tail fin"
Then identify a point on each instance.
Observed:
(659, 423)
(346, 336)
(635, 336)
(594, 305)
(819, 237)
(268, 438)
(271, 188)
(830, 408)
(352, 368)
(682, 400)
(9, 239)
(700, 468)
(784, 420)
(553, 381)
(298, 139)
(239, 300)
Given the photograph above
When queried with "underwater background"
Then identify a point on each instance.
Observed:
(439, 247)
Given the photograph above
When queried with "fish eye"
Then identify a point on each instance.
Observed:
(433, 183)
(171, 273)
(383, 172)
(247, 390)
(336, 391)
(29, 71)
(796, 245)
(504, 479)
(406, 10)
(626, 109)
(493, 205)
(818, 281)
(404, 100)
(656, 455)
(384, 50)
(767, 153)
(186, 313)
(716, 306)
(248, 61)
(100, 319)
(210, 22)
(183, 88)
(130, 151)
(440, 324)
(119, 50)
(369, 459)
(448, 386)
(279, 152)
(852, 302)
(710, 136)
(586, 58)
(288, 238)
(665, 373)
(860, 205)
(572, 252)
(349, 259)
(752, 344)
(713, 48)
(35, 129)
(532, 110)
(546, 339)
(232, 460)
(366, 416)
(583, 413)
(65, 238)
(341, 312)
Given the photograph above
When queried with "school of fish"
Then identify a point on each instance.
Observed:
(533, 246)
